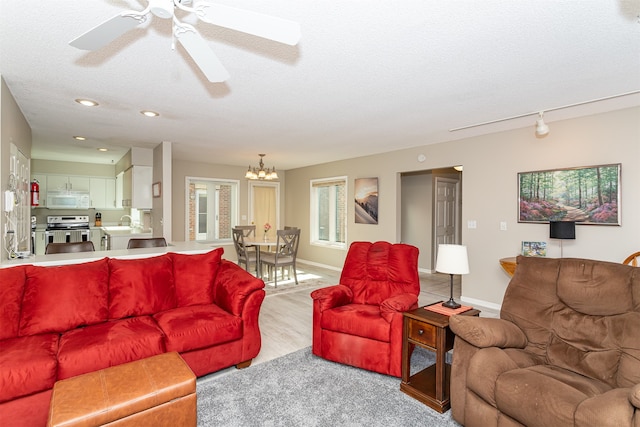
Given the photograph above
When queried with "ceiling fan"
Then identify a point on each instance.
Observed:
(257, 24)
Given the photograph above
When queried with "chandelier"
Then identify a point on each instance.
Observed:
(260, 172)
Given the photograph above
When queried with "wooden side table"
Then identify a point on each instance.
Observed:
(429, 330)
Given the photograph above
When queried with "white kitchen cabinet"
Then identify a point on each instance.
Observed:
(103, 193)
(119, 190)
(98, 192)
(110, 193)
(67, 183)
(136, 187)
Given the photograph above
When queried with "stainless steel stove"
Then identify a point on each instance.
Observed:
(67, 228)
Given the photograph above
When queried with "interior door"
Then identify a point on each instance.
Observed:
(264, 200)
(446, 213)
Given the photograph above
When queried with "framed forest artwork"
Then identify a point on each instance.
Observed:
(586, 195)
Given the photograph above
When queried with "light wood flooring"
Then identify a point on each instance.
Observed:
(286, 315)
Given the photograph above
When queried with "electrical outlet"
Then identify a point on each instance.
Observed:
(503, 225)
(472, 223)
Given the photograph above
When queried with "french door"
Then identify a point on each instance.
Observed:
(212, 208)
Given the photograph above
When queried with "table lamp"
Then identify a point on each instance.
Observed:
(562, 230)
(452, 259)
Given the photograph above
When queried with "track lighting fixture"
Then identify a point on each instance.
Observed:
(541, 127)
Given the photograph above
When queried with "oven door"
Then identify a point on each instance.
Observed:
(66, 236)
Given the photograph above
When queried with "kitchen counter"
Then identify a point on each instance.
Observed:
(78, 257)
(117, 237)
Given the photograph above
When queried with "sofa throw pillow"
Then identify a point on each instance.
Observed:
(140, 286)
(12, 281)
(60, 298)
(194, 275)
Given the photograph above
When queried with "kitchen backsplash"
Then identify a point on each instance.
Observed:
(109, 217)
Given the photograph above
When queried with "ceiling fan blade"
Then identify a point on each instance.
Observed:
(258, 24)
(109, 30)
(201, 53)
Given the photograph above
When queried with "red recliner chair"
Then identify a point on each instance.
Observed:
(359, 321)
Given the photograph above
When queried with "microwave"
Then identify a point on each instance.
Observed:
(68, 200)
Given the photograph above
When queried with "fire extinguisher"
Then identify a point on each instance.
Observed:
(35, 193)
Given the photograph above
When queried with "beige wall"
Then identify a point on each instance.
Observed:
(13, 129)
(182, 169)
(489, 193)
(161, 217)
(72, 168)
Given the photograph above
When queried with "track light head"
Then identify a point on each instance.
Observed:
(541, 127)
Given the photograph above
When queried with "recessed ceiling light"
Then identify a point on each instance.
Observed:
(86, 102)
(149, 113)
(79, 138)
(102, 149)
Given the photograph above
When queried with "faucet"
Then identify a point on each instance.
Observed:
(130, 220)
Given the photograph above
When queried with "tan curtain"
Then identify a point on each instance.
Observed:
(264, 209)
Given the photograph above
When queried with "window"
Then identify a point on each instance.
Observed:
(329, 212)
(212, 208)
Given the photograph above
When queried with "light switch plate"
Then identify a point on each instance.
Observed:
(472, 223)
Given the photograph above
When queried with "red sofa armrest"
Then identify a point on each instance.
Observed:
(232, 286)
(332, 296)
(397, 304)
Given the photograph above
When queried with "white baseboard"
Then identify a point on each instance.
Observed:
(317, 264)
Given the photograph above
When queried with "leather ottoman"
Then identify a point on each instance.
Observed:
(156, 391)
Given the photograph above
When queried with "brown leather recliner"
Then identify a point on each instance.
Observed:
(565, 351)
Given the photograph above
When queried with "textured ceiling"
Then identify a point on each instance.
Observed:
(368, 76)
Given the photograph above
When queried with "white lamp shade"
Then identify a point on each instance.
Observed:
(452, 259)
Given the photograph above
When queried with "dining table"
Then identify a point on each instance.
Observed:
(260, 242)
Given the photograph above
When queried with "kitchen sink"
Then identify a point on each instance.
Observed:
(117, 228)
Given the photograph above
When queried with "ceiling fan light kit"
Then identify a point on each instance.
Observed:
(257, 24)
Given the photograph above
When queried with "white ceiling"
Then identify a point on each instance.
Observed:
(368, 76)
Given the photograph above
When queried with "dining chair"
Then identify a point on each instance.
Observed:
(151, 242)
(284, 255)
(70, 247)
(247, 254)
(632, 259)
(248, 230)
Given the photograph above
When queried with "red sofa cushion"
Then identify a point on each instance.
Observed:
(107, 344)
(357, 319)
(57, 299)
(139, 287)
(377, 271)
(27, 365)
(11, 290)
(200, 326)
(194, 275)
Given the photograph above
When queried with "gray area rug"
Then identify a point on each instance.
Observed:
(300, 389)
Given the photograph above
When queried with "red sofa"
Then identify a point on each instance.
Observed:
(359, 321)
(58, 322)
